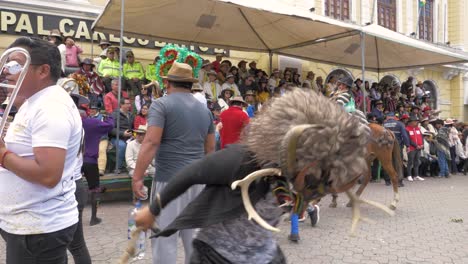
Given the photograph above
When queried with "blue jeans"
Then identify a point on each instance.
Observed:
(443, 166)
(121, 155)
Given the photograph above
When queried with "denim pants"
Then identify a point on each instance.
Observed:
(121, 156)
(443, 166)
(78, 247)
(413, 162)
(49, 248)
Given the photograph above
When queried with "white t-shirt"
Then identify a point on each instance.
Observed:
(47, 119)
(200, 97)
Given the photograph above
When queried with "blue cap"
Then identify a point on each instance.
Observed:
(390, 114)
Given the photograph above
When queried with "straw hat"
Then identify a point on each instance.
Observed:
(212, 73)
(197, 87)
(141, 129)
(250, 92)
(449, 121)
(180, 72)
(104, 42)
(238, 99)
(56, 33)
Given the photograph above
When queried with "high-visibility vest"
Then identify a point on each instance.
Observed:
(134, 70)
(108, 67)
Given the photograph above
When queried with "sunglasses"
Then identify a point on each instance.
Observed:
(144, 89)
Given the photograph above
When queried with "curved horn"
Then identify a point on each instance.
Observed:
(289, 148)
(244, 184)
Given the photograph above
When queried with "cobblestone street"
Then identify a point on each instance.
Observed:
(425, 229)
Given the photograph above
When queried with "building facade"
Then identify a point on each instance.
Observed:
(442, 22)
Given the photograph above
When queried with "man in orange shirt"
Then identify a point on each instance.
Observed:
(233, 121)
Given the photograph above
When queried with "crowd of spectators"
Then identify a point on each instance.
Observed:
(223, 85)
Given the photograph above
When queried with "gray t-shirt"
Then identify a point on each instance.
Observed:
(185, 123)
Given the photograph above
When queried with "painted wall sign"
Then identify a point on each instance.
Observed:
(34, 24)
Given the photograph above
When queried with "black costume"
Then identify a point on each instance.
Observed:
(217, 204)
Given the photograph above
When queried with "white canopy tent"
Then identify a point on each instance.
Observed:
(260, 25)
(272, 27)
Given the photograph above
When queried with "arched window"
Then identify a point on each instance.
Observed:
(425, 19)
(337, 9)
(387, 13)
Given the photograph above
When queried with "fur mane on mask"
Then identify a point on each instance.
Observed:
(337, 145)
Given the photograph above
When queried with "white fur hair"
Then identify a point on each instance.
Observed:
(336, 143)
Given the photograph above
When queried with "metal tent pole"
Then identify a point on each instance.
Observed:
(270, 55)
(363, 62)
(122, 12)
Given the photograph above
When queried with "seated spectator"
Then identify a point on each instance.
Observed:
(287, 76)
(251, 103)
(72, 52)
(223, 72)
(150, 73)
(217, 63)
(319, 83)
(111, 102)
(95, 84)
(125, 118)
(144, 97)
(378, 111)
(296, 79)
(134, 74)
(331, 86)
(263, 93)
(211, 87)
(198, 93)
(281, 89)
(248, 85)
(233, 120)
(109, 68)
(133, 148)
(253, 68)
(235, 71)
(415, 110)
(202, 73)
(141, 118)
(419, 90)
(243, 72)
(224, 98)
(274, 79)
(309, 82)
(231, 85)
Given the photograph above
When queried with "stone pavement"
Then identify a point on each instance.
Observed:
(422, 231)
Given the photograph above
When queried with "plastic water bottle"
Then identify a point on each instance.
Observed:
(141, 241)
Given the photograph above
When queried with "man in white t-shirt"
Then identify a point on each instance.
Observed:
(38, 158)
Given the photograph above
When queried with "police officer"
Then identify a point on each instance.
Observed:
(109, 68)
(398, 128)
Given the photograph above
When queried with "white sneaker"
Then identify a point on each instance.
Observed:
(419, 178)
(410, 178)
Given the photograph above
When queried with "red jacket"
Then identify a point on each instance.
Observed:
(416, 138)
(111, 103)
(139, 121)
(233, 120)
